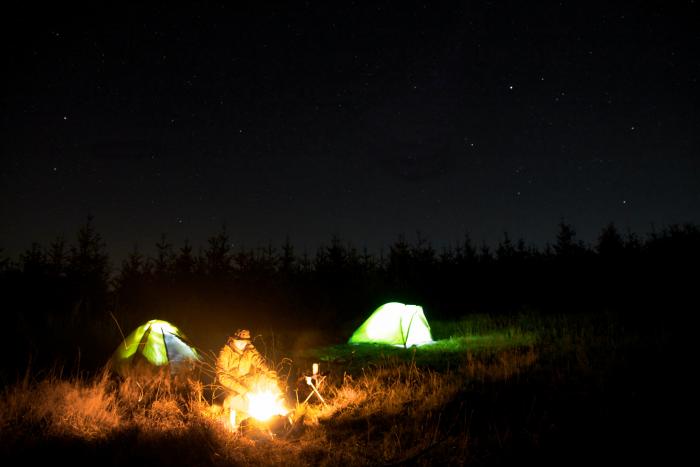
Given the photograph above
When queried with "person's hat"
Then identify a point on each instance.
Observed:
(241, 335)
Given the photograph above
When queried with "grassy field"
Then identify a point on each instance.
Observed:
(524, 389)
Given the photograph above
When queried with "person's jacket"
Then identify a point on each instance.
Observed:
(236, 369)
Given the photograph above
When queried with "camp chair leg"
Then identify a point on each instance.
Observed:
(319, 395)
(315, 391)
(308, 397)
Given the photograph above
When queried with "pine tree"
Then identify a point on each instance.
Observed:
(164, 257)
(58, 257)
(218, 254)
(33, 260)
(89, 270)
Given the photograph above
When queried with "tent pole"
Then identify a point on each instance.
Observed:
(408, 331)
(165, 343)
(144, 340)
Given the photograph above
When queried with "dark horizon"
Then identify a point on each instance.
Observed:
(120, 251)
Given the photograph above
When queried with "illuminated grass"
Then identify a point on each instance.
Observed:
(478, 335)
(500, 389)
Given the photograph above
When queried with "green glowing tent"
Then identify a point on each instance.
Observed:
(394, 324)
(153, 345)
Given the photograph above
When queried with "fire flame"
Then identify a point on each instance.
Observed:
(265, 400)
(264, 405)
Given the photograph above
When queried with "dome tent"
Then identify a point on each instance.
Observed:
(153, 345)
(394, 324)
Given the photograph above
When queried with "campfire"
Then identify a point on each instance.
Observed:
(263, 405)
(265, 401)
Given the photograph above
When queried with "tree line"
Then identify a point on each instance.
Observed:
(53, 291)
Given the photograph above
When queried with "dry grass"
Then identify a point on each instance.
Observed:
(391, 412)
(494, 403)
(79, 408)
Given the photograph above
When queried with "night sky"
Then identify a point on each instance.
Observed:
(362, 119)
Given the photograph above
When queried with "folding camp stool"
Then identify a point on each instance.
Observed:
(315, 381)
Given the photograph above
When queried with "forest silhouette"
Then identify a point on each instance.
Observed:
(67, 304)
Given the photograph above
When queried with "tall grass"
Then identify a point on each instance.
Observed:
(54, 406)
(499, 397)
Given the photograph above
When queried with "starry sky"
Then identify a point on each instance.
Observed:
(365, 120)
